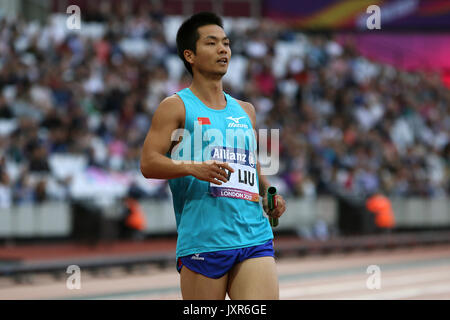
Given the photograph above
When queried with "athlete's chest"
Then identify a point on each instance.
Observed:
(230, 121)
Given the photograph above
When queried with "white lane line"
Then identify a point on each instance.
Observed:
(347, 286)
(316, 263)
(407, 293)
(345, 277)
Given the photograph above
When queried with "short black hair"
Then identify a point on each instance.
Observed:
(188, 35)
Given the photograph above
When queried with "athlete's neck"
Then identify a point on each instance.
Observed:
(209, 91)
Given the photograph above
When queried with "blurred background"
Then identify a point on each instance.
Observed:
(364, 120)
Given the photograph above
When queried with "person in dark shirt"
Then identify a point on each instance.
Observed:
(5, 109)
(38, 161)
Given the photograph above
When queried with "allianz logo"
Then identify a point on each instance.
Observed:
(196, 256)
(235, 123)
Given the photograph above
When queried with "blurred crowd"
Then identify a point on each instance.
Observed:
(343, 119)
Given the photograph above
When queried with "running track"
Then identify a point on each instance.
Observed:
(406, 273)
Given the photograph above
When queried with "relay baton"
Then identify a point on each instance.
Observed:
(272, 203)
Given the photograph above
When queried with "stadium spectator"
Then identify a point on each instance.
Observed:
(5, 188)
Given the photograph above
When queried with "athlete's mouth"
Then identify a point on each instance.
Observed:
(223, 61)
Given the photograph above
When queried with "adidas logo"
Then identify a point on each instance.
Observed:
(196, 256)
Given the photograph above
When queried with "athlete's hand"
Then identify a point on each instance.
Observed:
(211, 171)
(280, 206)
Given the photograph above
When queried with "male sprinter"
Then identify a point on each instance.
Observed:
(225, 244)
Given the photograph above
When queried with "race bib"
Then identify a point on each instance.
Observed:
(243, 182)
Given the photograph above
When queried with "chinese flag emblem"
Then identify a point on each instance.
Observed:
(202, 121)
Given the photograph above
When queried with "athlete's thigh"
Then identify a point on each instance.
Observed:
(195, 286)
(254, 279)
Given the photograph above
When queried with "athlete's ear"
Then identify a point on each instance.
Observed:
(189, 55)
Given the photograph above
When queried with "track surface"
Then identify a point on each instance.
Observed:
(415, 273)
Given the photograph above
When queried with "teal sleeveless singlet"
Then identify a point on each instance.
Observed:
(213, 217)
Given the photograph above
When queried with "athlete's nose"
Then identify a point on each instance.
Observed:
(222, 48)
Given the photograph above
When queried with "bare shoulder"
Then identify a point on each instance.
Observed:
(250, 109)
(172, 103)
(247, 106)
(171, 107)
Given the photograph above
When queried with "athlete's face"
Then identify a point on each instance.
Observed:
(212, 52)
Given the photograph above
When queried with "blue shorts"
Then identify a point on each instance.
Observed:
(218, 263)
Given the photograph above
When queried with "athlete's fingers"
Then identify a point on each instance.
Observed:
(280, 208)
(212, 180)
(221, 172)
(225, 165)
(275, 201)
(219, 176)
(274, 213)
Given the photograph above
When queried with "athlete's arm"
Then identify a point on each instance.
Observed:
(263, 183)
(168, 117)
